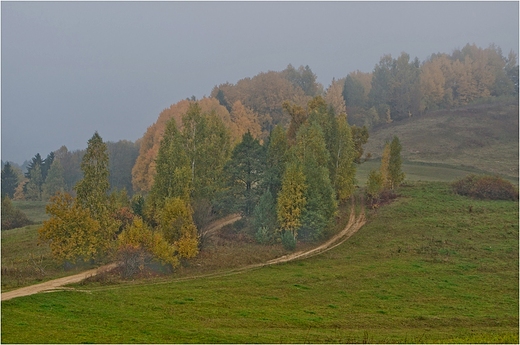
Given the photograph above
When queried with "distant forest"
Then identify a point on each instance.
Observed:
(396, 89)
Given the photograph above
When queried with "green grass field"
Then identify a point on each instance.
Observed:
(35, 210)
(424, 269)
(431, 267)
(24, 261)
(482, 137)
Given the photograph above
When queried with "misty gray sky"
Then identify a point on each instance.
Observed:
(71, 68)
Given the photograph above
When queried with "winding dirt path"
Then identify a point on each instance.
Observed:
(353, 225)
(55, 284)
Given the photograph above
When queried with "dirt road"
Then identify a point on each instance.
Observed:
(55, 284)
(354, 224)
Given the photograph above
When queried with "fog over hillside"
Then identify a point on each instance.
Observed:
(71, 68)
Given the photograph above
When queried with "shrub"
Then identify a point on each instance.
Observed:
(486, 187)
(263, 235)
(132, 260)
(12, 217)
(288, 240)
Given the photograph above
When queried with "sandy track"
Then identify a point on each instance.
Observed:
(55, 284)
(353, 225)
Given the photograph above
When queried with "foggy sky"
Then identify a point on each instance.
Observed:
(72, 68)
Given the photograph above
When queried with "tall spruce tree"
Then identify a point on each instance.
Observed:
(395, 174)
(318, 213)
(9, 180)
(277, 152)
(245, 172)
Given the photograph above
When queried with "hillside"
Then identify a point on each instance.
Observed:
(432, 267)
(482, 137)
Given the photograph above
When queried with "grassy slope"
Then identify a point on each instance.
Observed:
(24, 261)
(483, 137)
(425, 269)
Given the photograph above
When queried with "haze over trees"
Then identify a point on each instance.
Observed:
(278, 148)
(402, 87)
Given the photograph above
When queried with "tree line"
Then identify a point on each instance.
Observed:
(397, 88)
(402, 87)
(61, 170)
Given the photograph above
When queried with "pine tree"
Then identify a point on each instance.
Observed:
(264, 218)
(245, 172)
(277, 151)
(9, 180)
(310, 150)
(46, 165)
(36, 160)
(33, 188)
(395, 174)
(385, 166)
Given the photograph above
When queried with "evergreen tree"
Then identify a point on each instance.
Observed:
(36, 160)
(277, 152)
(395, 174)
(9, 180)
(384, 169)
(54, 181)
(245, 172)
(33, 188)
(318, 214)
(264, 218)
(46, 165)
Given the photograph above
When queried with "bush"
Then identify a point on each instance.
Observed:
(486, 187)
(12, 217)
(288, 240)
(132, 260)
(263, 235)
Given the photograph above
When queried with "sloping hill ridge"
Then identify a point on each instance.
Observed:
(482, 137)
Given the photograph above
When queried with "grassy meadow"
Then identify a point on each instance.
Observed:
(432, 267)
(480, 137)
